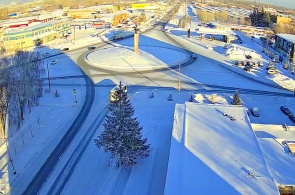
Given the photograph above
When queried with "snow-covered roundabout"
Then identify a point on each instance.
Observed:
(125, 59)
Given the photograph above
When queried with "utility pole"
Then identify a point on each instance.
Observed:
(48, 77)
(10, 159)
(178, 78)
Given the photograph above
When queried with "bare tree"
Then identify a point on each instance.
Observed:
(22, 82)
(222, 16)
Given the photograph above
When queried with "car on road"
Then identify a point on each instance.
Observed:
(65, 49)
(54, 61)
(248, 57)
(255, 111)
(91, 47)
(118, 36)
(292, 118)
(285, 110)
(46, 54)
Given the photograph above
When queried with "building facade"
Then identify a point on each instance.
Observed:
(285, 44)
(21, 38)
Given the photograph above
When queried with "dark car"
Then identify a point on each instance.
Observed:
(247, 68)
(249, 57)
(255, 111)
(91, 47)
(292, 118)
(270, 65)
(286, 110)
(65, 49)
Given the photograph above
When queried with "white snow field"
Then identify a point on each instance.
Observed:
(125, 59)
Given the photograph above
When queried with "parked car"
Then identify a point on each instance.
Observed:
(254, 64)
(247, 68)
(244, 63)
(260, 64)
(249, 57)
(272, 71)
(226, 46)
(285, 110)
(255, 111)
(238, 63)
(118, 36)
(54, 61)
(292, 118)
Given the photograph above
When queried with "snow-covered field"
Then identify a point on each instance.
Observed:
(43, 128)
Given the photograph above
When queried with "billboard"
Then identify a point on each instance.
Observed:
(140, 6)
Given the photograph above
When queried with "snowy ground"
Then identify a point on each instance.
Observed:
(125, 59)
(155, 115)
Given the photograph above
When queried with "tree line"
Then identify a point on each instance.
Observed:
(222, 17)
(20, 85)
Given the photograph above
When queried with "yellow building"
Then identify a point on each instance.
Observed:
(140, 6)
(80, 13)
(120, 18)
(18, 39)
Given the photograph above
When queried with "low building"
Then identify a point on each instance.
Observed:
(20, 38)
(285, 44)
(214, 150)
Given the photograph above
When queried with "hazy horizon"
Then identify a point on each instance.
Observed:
(282, 3)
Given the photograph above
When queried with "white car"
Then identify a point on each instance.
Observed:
(194, 56)
(46, 54)
(54, 61)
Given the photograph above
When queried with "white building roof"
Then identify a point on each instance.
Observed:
(211, 154)
(280, 162)
(288, 37)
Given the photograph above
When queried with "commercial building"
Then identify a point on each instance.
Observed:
(20, 38)
(285, 44)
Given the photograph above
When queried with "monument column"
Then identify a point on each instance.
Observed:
(136, 39)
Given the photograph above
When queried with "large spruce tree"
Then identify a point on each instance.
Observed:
(236, 99)
(122, 134)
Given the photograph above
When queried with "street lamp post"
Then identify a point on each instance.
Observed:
(3, 109)
(48, 77)
(10, 159)
(75, 92)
